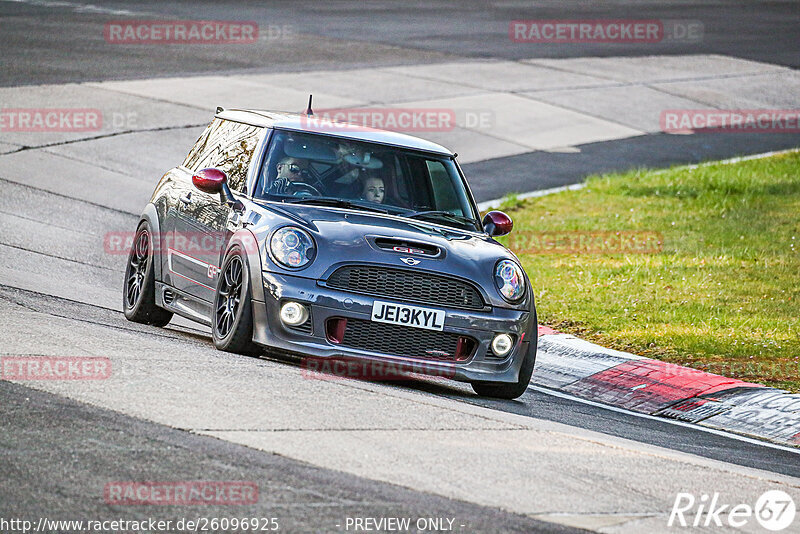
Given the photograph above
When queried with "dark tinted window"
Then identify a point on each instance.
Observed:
(304, 167)
(227, 146)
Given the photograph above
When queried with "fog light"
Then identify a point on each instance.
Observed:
(502, 344)
(294, 313)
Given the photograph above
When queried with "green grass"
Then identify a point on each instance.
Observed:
(722, 294)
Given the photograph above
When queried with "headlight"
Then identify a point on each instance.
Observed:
(292, 247)
(510, 280)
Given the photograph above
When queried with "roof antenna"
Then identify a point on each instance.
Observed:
(308, 111)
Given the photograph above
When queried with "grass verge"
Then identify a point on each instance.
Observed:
(720, 292)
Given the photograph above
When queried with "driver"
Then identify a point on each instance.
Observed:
(289, 170)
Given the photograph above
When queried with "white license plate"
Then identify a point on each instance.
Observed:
(387, 312)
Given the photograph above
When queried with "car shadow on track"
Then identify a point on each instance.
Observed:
(405, 381)
(412, 382)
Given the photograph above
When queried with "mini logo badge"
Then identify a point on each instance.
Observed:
(410, 261)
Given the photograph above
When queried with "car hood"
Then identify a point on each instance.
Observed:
(348, 236)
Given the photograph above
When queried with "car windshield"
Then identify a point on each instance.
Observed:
(340, 172)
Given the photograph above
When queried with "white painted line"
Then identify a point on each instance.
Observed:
(733, 160)
(489, 204)
(666, 420)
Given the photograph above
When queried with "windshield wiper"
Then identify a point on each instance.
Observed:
(441, 215)
(336, 203)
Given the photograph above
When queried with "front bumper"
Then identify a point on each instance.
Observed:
(326, 303)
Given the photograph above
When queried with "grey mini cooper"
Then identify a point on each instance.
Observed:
(334, 242)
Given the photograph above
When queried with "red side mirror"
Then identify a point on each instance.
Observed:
(497, 223)
(209, 180)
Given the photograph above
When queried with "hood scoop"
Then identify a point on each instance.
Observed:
(405, 246)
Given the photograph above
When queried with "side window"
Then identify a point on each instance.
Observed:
(444, 194)
(234, 159)
(203, 147)
(227, 146)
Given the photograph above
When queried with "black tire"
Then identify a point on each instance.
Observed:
(139, 287)
(232, 313)
(511, 390)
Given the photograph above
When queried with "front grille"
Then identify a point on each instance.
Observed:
(406, 341)
(407, 286)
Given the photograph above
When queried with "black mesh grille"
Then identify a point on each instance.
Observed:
(492, 356)
(305, 328)
(404, 341)
(407, 286)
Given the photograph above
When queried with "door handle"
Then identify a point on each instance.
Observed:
(186, 198)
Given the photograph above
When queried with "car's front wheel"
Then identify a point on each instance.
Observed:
(232, 321)
(139, 290)
(510, 390)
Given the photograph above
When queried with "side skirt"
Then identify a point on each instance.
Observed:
(183, 304)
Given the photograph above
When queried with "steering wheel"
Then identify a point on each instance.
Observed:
(300, 189)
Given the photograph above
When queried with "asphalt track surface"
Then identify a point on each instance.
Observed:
(58, 42)
(59, 453)
(58, 449)
(95, 446)
(69, 48)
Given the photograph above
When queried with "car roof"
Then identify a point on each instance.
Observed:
(302, 123)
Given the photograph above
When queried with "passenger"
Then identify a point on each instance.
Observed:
(373, 189)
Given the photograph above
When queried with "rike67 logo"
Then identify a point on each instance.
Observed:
(775, 510)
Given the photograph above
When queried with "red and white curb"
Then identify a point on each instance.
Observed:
(589, 371)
